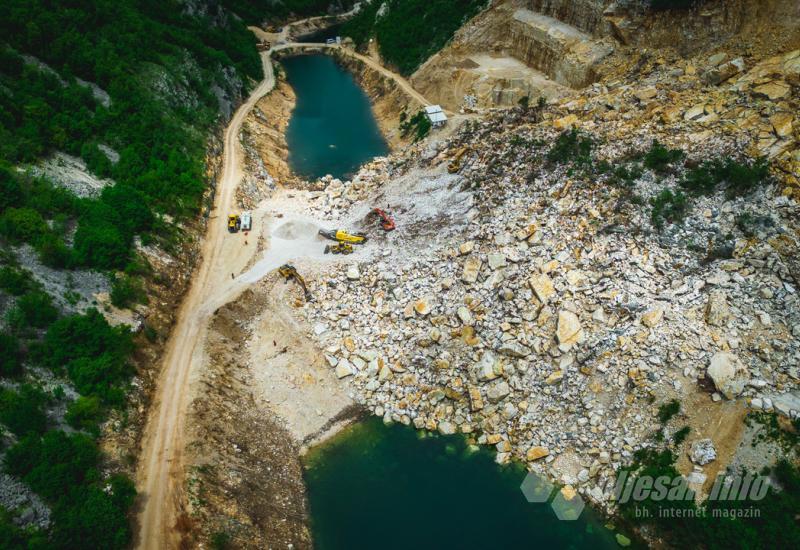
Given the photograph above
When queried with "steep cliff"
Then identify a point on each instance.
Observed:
(762, 27)
(510, 51)
(563, 52)
(520, 48)
(586, 15)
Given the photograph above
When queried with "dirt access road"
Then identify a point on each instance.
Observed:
(161, 467)
(404, 84)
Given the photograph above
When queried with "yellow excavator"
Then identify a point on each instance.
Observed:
(288, 271)
(343, 236)
(455, 163)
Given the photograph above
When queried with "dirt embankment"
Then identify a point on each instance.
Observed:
(265, 392)
(246, 478)
(264, 132)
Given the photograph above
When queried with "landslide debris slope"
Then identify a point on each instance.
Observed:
(594, 258)
(591, 260)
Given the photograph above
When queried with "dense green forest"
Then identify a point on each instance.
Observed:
(410, 31)
(160, 146)
(257, 11)
(158, 61)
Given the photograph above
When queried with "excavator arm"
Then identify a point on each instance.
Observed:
(288, 271)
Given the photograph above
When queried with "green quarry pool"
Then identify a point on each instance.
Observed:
(383, 487)
(332, 129)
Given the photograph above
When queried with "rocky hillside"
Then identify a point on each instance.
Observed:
(610, 279)
(543, 48)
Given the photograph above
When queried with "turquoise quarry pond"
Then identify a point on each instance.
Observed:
(332, 129)
(384, 487)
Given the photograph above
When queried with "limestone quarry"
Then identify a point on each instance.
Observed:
(525, 300)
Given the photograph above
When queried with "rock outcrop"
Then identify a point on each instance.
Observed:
(586, 15)
(563, 52)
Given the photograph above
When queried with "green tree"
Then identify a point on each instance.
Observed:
(93, 353)
(96, 160)
(23, 411)
(126, 291)
(15, 281)
(91, 519)
(101, 245)
(34, 309)
(53, 464)
(10, 189)
(131, 207)
(54, 253)
(85, 413)
(22, 225)
(10, 356)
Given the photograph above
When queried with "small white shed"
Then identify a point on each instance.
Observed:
(436, 115)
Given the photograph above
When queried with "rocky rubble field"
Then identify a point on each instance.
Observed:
(555, 318)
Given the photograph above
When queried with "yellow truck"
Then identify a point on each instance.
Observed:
(234, 223)
(343, 236)
(339, 248)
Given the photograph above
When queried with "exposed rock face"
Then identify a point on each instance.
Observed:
(488, 368)
(569, 41)
(542, 286)
(472, 268)
(717, 310)
(494, 67)
(587, 15)
(563, 52)
(720, 20)
(71, 173)
(569, 330)
(537, 452)
(653, 317)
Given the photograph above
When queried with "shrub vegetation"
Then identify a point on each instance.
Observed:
(716, 524)
(659, 158)
(668, 207)
(572, 146)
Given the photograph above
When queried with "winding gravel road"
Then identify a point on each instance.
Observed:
(161, 464)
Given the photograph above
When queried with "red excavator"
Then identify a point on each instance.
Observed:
(387, 223)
